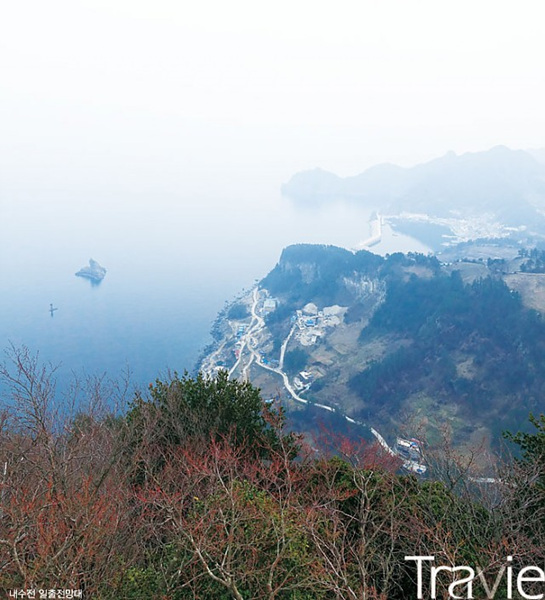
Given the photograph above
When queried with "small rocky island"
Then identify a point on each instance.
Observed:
(95, 272)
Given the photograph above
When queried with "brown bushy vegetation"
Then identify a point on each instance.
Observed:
(197, 491)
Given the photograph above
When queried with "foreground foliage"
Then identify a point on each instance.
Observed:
(198, 492)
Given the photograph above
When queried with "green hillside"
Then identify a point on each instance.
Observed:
(417, 346)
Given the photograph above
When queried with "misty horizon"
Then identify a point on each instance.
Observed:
(156, 138)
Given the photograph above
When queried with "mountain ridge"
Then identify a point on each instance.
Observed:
(509, 184)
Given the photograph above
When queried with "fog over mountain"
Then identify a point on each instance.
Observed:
(508, 184)
(538, 154)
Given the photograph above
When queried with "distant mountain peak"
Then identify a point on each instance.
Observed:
(508, 184)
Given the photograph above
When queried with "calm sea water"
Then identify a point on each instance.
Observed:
(172, 261)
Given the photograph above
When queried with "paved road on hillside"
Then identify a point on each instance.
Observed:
(249, 341)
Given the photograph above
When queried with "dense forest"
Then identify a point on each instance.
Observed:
(447, 321)
(449, 344)
(196, 490)
(316, 272)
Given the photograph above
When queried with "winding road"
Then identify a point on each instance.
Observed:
(249, 342)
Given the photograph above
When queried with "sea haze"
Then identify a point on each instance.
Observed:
(172, 260)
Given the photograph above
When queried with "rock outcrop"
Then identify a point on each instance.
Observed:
(95, 272)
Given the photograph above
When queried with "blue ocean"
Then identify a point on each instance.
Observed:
(172, 260)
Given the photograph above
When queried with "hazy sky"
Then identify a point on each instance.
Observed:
(136, 94)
